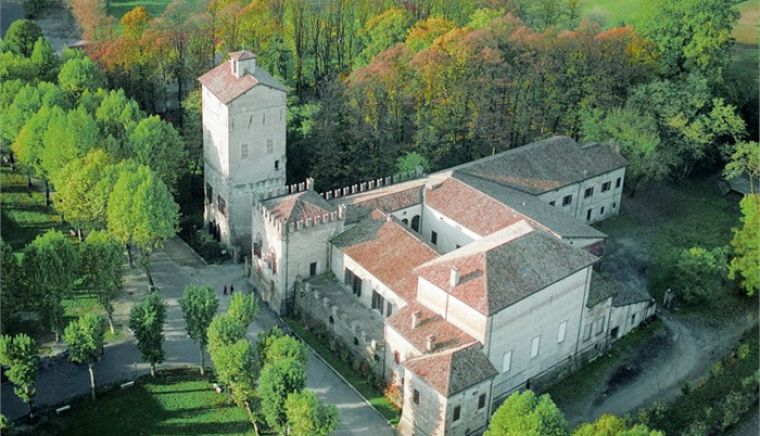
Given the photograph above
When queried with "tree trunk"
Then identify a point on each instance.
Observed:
(92, 380)
(202, 361)
(109, 316)
(129, 256)
(79, 234)
(152, 369)
(29, 407)
(28, 181)
(47, 193)
(251, 418)
(147, 273)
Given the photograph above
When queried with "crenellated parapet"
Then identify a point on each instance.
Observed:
(373, 184)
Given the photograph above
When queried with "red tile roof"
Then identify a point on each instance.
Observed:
(242, 55)
(453, 370)
(446, 334)
(226, 87)
(388, 250)
(470, 207)
(299, 206)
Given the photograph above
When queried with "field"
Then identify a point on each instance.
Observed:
(117, 8)
(175, 402)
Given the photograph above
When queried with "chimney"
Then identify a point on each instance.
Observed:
(454, 276)
(431, 343)
(416, 319)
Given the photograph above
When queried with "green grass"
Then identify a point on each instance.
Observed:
(175, 402)
(593, 376)
(613, 12)
(24, 213)
(376, 398)
(117, 8)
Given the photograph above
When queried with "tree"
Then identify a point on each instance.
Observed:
(525, 413)
(611, 425)
(82, 190)
(45, 60)
(21, 36)
(285, 347)
(199, 304)
(84, 338)
(11, 287)
(78, 75)
(307, 416)
(50, 266)
(102, 260)
(410, 161)
(745, 161)
(223, 331)
(382, 31)
(694, 274)
(243, 307)
(68, 136)
(278, 380)
(146, 320)
(19, 355)
(29, 146)
(745, 263)
(156, 144)
(192, 131)
(235, 368)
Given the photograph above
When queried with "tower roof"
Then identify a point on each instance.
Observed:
(225, 86)
(453, 370)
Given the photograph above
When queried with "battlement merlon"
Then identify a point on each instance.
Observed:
(311, 222)
(373, 184)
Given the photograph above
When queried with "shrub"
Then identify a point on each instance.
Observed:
(694, 274)
(743, 351)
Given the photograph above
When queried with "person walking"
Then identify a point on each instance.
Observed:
(232, 289)
(225, 290)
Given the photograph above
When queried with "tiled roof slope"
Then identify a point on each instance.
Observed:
(389, 199)
(532, 207)
(601, 289)
(627, 295)
(470, 207)
(546, 165)
(299, 206)
(454, 370)
(505, 267)
(388, 250)
(446, 334)
(226, 87)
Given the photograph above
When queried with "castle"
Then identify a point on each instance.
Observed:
(455, 288)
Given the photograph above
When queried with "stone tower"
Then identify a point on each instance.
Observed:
(243, 144)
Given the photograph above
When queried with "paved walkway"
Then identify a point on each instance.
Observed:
(60, 380)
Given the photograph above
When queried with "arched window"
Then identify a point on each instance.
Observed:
(257, 242)
(405, 221)
(416, 223)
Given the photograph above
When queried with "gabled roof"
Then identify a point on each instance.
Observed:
(627, 295)
(388, 199)
(388, 250)
(453, 370)
(226, 87)
(530, 206)
(505, 267)
(447, 335)
(546, 165)
(601, 289)
(299, 206)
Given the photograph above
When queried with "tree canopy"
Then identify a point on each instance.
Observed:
(745, 262)
(19, 355)
(199, 304)
(146, 320)
(525, 413)
(84, 340)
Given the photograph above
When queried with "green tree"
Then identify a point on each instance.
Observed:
(223, 331)
(694, 274)
(307, 416)
(745, 161)
(199, 304)
(611, 425)
(382, 31)
(285, 347)
(156, 144)
(68, 136)
(82, 190)
(21, 36)
(243, 307)
(526, 414)
(278, 380)
(45, 60)
(410, 161)
(19, 355)
(745, 263)
(29, 147)
(146, 320)
(12, 291)
(84, 339)
(116, 114)
(192, 131)
(235, 368)
(78, 75)
(50, 266)
(102, 260)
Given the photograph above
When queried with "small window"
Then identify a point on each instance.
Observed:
(614, 205)
(600, 326)
(276, 165)
(457, 412)
(209, 193)
(588, 214)
(567, 199)
(221, 205)
(356, 341)
(433, 238)
(552, 203)
(606, 186)
(264, 118)
(313, 269)
(534, 346)
(244, 151)
(416, 396)
(633, 319)
(507, 362)
(378, 302)
(389, 309)
(587, 332)
(405, 221)
(482, 401)
(458, 247)
(601, 211)
(270, 146)
(332, 320)
(618, 182)
(397, 357)
(589, 192)
(562, 332)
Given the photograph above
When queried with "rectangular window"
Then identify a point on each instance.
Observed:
(221, 205)
(378, 302)
(209, 193)
(633, 319)
(457, 412)
(507, 362)
(276, 165)
(416, 396)
(588, 214)
(567, 199)
(618, 182)
(313, 269)
(243, 151)
(552, 203)
(587, 332)
(389, 309)
(534, 346)
(270, 146)
(348, 277)
(562, 332)
(614, 205)
(482, 401)
(599, 326)
(606, 186)
(433, 238)
(264, 118)
(601, 211)
(589, 192)
(396, 357)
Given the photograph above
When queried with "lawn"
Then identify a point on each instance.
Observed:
(117, 8)
(175, 402)
(376, 398)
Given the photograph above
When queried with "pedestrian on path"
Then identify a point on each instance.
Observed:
(232, 289)
(225, 290)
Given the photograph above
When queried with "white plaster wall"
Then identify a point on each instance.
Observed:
(540, 314)
(621, 317)
(272, 241)
(453, 310)
(394, 342)
(450, 233)
(610, 200)
(307, 245)
(590, 317)
(471, 417)
(429, 416)
(408, 213)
